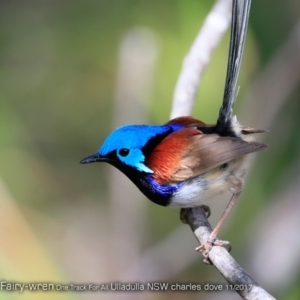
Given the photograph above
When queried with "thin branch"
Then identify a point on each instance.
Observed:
(238, 279)
(184, 97)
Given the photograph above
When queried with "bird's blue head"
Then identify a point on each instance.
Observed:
(129, 145)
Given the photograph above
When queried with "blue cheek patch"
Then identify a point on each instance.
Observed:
(135, 159)
(164, 190)
(143, 168)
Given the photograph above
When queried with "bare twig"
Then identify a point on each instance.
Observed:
(193, 67)
(223, 261)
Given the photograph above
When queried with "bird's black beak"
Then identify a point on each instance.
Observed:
(93, 158)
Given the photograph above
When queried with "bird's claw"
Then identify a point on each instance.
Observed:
(207, 246)
(206, 210)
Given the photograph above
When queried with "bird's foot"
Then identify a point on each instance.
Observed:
(206, 210)
(207, 246)
(183, 212)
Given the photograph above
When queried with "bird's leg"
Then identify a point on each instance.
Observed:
(183, 212)
(213, 240)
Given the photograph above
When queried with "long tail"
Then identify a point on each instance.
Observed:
(239, 23)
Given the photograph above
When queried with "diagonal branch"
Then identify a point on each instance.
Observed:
(193, 67)
(237, 278)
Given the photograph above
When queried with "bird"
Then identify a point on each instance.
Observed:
(185, 162)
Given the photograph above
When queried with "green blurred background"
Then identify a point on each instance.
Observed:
(73, 70)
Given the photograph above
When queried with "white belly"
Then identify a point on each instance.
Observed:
(198, 191)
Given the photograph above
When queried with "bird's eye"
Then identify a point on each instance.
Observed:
(124, 152)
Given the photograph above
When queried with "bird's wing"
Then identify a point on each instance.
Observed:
(188, 153)
(206, 152)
